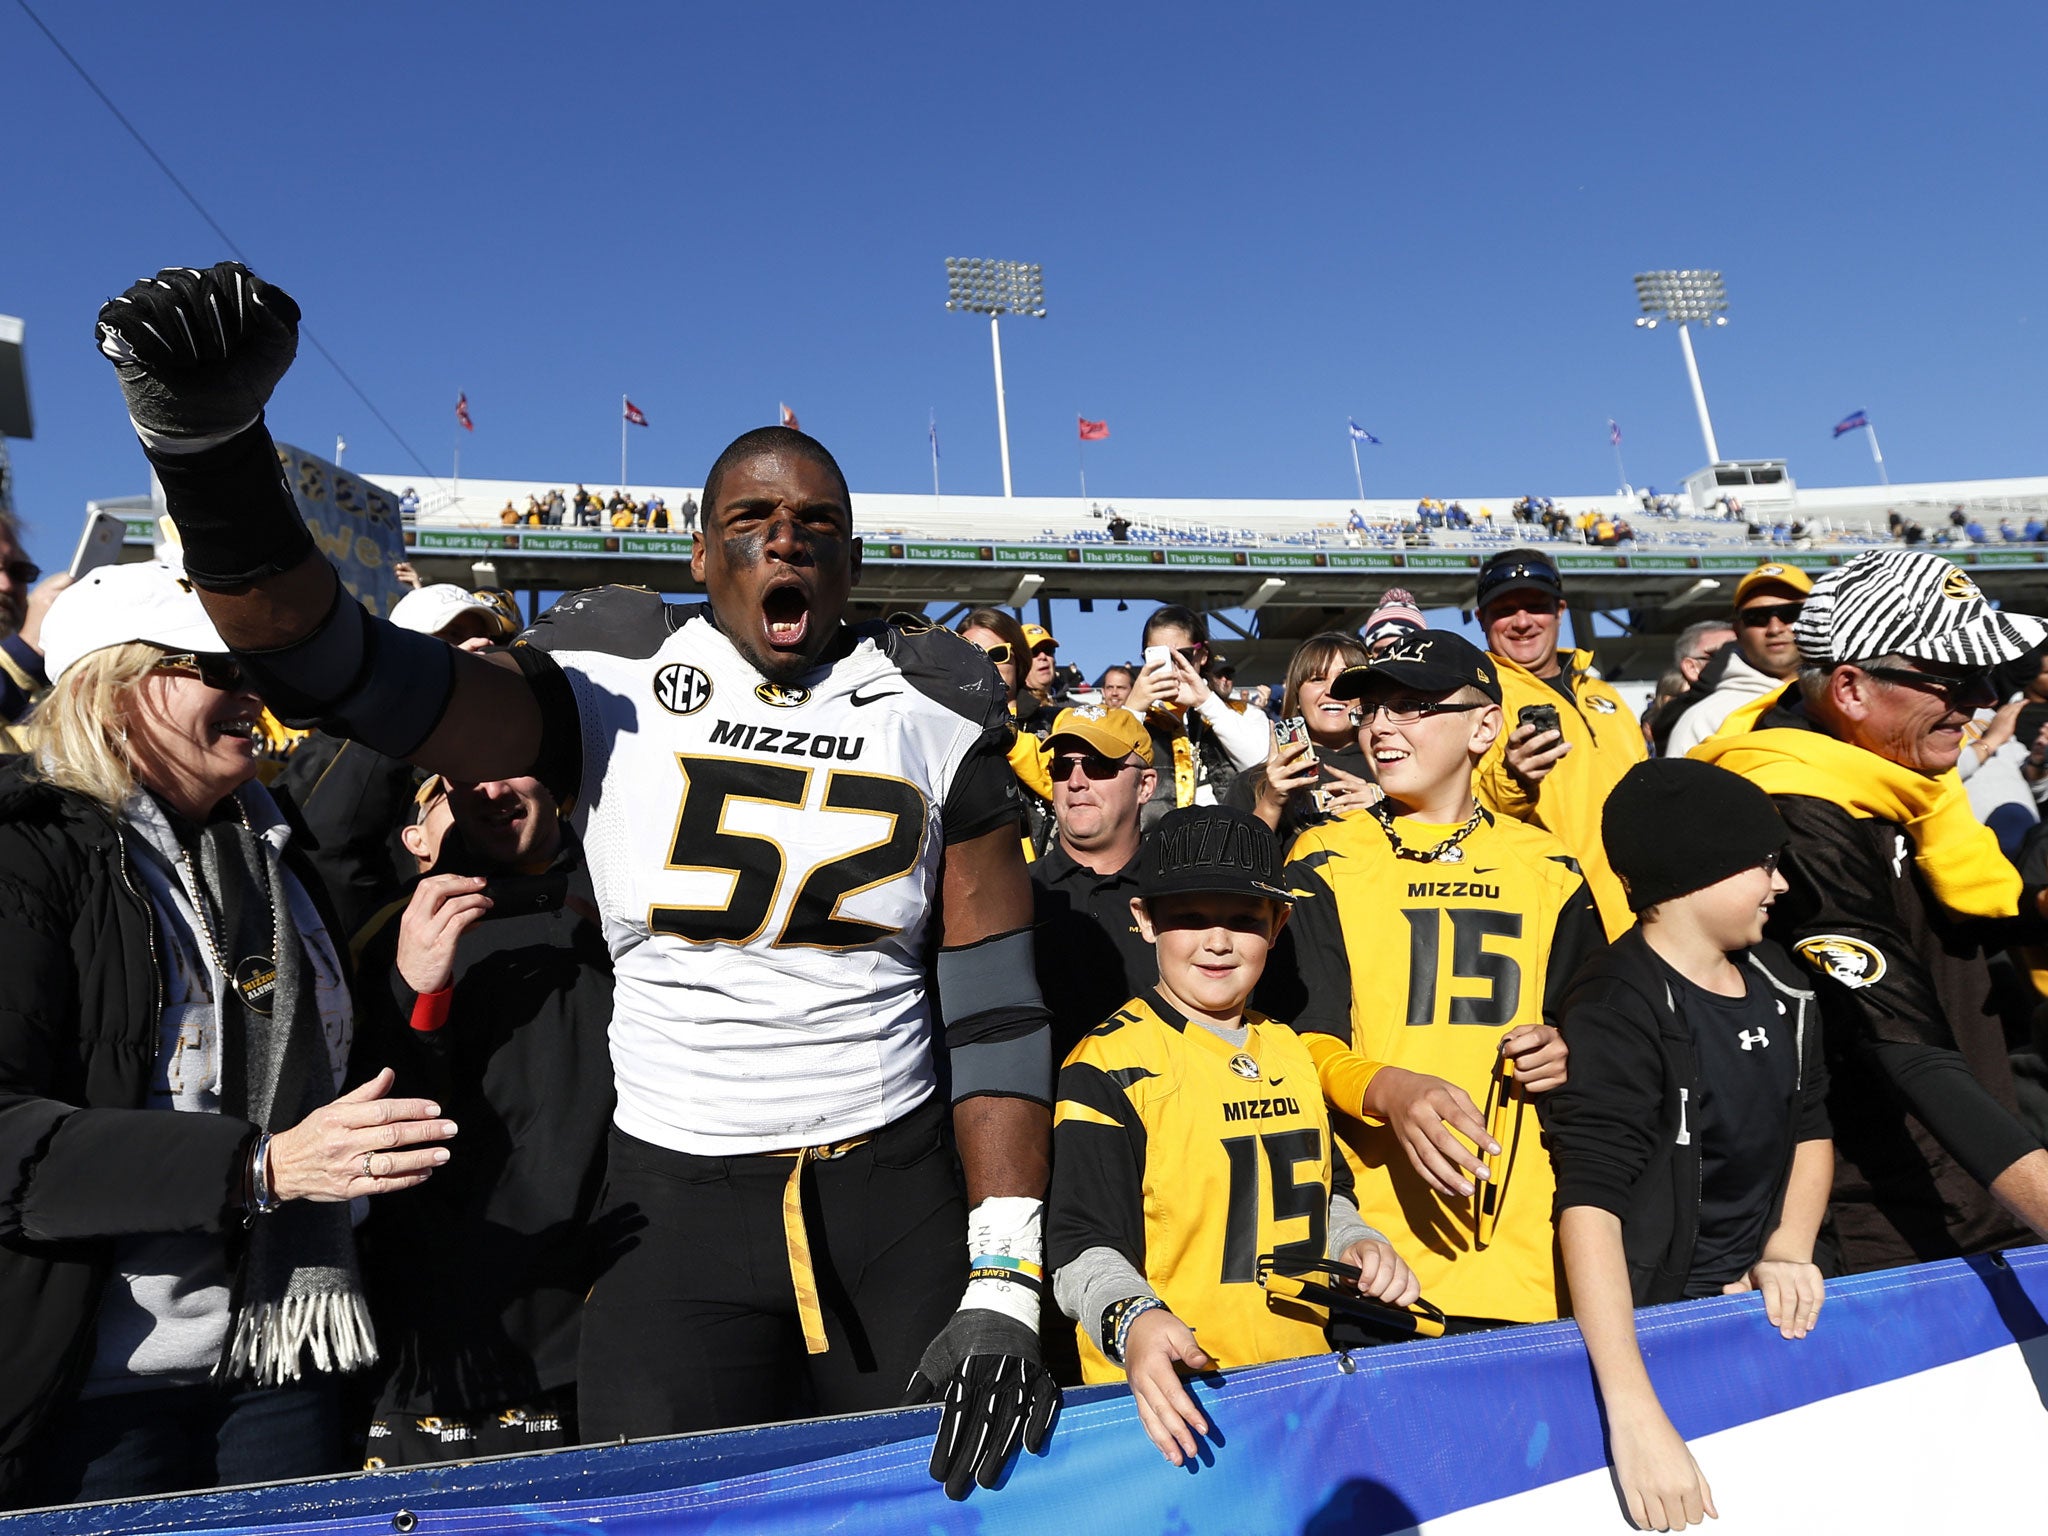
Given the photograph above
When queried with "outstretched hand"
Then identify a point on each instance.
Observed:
(198, 352)
(1423, 1112)
(1159, 1345)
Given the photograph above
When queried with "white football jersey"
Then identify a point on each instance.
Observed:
(766, 861)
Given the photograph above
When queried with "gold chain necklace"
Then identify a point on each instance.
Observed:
(1445, 852)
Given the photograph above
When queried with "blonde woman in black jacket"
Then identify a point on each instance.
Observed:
(1691, 1141)
(177, 1274)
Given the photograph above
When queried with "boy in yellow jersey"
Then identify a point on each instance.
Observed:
(1190, 1139)
(1433, 942)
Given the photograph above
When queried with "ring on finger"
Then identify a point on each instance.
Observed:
(367, 1173)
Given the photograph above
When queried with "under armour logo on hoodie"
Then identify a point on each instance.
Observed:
(1752, 1038)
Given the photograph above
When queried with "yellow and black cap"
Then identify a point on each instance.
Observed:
(1435, 661)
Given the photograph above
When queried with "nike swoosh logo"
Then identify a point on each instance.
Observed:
(856, 700)
(1278, 1081)
(1483, 869)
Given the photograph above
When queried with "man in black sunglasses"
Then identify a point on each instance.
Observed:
(1764, 657)
(1896, 895)
(1090, 955)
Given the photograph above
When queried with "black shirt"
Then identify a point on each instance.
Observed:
(1748, 1077)
(1091, 958)
(1300, 813)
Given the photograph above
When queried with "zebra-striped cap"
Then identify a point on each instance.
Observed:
(1906, 602)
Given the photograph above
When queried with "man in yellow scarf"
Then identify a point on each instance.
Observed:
(1896, 893)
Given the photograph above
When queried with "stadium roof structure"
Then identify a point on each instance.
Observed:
(1305, 565)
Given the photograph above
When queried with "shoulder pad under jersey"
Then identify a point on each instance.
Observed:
(944, 668)
(633, 622)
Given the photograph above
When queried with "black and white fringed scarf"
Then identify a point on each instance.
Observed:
(298, 1295)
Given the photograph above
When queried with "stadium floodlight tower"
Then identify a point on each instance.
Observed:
(996, 288)
(1683, 298)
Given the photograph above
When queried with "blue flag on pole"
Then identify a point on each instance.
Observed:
(1614, 431)
(1851, 422)
(935, 436)
(1360, 433)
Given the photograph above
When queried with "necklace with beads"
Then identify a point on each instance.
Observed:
(255, 977)
(1445, 852)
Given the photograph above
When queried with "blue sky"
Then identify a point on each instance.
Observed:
(1254, 221)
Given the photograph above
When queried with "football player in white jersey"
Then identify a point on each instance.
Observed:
(776, 808)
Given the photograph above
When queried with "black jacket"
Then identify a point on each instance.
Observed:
(83, 1162)
(1924, 1109)
(1619, 1137)
(354, 801)
(477, 1277)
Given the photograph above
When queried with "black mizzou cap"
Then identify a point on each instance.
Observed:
(1212, 850)
(1432, 662)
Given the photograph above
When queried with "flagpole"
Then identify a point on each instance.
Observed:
(1883, 473)
(934, 434)
(1356, 472)
(1620, 472)
(623, 424)
(1081, 458)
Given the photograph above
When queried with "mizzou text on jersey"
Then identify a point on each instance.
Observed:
(1427, 966)
(1191, 1157)
(766, 857)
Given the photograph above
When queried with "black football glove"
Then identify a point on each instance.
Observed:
(198, 353)
(997, 1394)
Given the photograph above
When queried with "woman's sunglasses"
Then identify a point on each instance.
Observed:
(210, 667)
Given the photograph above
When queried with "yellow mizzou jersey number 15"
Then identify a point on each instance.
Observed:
(1426, 966)
(1191, 1157)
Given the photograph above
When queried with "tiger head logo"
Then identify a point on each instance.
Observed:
(1850, 962)
(781, 697)
(1958, 588)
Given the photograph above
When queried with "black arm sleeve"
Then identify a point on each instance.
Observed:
(560, 763)
(1098, 1170)
(1604, 1121)
(1308, 982)
(1579, 937)
(1945, 1095)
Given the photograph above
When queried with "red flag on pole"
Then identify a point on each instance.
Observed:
(1093, 431)
(462, 413)
(789, 419)
(635, 415)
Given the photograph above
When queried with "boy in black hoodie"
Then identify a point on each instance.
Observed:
(1691, 1141)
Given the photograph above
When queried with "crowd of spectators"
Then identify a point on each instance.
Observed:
(1228, 884)
(583, 508)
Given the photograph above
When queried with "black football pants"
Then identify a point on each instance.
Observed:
(693, 1324)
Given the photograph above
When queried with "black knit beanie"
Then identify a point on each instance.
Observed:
(1674, 825)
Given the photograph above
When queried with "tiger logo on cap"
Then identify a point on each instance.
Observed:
(1958, 588)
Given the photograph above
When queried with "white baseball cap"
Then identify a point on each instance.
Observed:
(429, 610)
(114, 604)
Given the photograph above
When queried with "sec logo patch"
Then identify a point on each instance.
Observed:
(682, 690)
(1851, 962)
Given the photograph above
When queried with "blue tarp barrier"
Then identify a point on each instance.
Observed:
(1377, 1442)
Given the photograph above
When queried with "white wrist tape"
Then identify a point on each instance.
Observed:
(1005, 1251)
